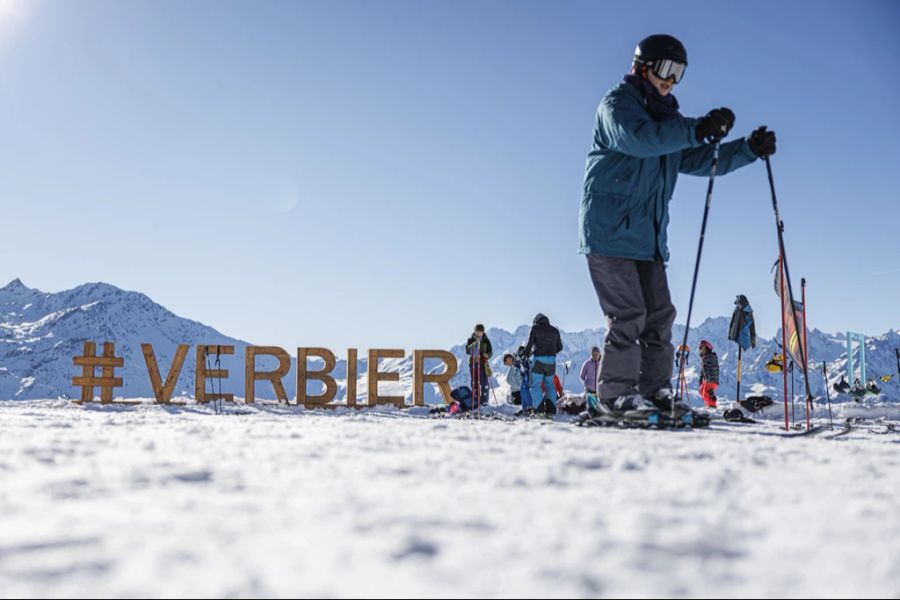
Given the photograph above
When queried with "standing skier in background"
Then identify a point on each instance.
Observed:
(640, 145)
(590, 371)
(709, 374)
(545, 342)
(479, 349)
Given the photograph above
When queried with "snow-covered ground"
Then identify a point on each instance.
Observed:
(151, 501)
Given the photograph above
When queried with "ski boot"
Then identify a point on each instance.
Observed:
(666, 401)
(546, 409)
(637, 411)
(599, 413)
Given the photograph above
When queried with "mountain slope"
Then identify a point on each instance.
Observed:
(40, 333)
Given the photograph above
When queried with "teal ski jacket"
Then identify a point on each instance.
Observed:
(631, 173)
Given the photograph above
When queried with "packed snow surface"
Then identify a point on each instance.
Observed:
(275, 501)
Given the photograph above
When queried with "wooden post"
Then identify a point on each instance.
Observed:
(163, 393)
(251, 375)
(107, 372)
(303, 374)
(374, 376)
(420, 378)
(202, 374)
(87, 393)
(351, 376)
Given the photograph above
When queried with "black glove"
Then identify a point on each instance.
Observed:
(715, 125)
(762, 142)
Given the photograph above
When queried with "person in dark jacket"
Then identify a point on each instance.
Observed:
(479, 349)
(641, 143)
(709, 374)
(545, 343)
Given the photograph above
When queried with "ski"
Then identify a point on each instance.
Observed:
(470, 415)
(888, 428)
(657, 421)
(807, 432)
(846, 428)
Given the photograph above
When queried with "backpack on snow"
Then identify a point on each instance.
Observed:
(756, 403)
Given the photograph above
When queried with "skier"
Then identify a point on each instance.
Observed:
(479, 349)
(513, 378)
(709, 374)
(545, 343)
(590, 371)
(641, 142)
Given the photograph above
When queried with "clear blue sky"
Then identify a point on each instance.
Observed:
(390, 173)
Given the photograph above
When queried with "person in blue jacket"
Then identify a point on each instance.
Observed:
(641, 143)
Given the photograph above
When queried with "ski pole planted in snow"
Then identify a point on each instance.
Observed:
(493, 393)
(687, 325)
(805, 345)
(793, 410)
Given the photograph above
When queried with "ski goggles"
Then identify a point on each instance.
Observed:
(666, 68)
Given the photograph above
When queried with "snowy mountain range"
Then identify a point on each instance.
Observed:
(40, 333)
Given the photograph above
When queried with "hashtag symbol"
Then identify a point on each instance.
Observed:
(107, 380)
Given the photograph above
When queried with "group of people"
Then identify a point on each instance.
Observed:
(531, 371)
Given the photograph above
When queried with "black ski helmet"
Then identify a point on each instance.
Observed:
(660, 46)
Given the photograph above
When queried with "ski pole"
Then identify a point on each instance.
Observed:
(478, 376)
(793, 410)
(709, 191)
(480, 370)
(473, 366)
(784, 343)
(805, 343)
(493, 393)
(216, 402)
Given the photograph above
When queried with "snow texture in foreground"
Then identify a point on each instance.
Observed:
(149, 501)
